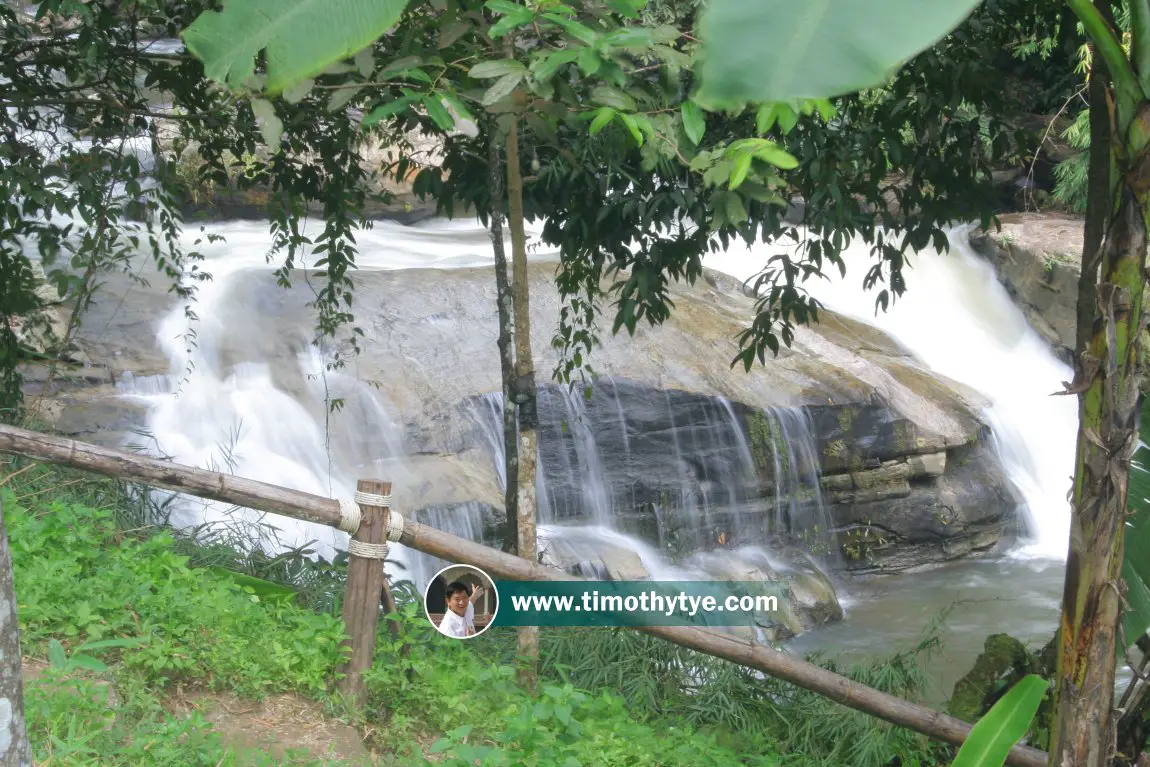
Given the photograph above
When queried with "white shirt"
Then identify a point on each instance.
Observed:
(458, 625)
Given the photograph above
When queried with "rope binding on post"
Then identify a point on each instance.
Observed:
(350, 518)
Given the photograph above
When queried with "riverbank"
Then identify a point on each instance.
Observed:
(203, 653)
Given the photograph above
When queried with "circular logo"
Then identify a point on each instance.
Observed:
(461, 601)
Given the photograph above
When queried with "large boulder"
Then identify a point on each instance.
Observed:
(672, 443)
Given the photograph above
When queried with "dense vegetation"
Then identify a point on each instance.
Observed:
(89, 574)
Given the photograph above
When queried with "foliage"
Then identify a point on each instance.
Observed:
(782, 51)
(1003, 726)
(79, 581)
(1136, 555)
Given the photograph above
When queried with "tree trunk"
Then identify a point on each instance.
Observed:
(15, 749)
(525, 396)
(1098, 196)
(506, 352)
(1083, 734)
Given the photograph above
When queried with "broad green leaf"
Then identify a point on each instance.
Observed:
(451, 33)
(364, 62)
(390, 109)
(787, 117)
(502, 87)
(56, 655)
(550, 65)
(88, 663)
(765, 117)
(1003, 726)
(438, 113)
(109, 644)
(299, 91)
(742, 167)
(271, 127)
(461, 110)
(401, 65)
(1136, 555)
(602, 117)
(511, 21)
(777, 157)
(589, 61)
(694, 124)
(499, 68)
(632, 126)
(735, 210)
(778, 50)
(259, 586)
(629, 37)
(580, 32)
(503, 6)
(302, 37)
(342, 97)
(612, 97)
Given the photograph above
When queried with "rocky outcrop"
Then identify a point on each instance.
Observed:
(672, 443)
(1038, 259)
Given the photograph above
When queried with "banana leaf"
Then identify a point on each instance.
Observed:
(1003, 726)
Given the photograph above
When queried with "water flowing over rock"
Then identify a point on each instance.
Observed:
(843, 437)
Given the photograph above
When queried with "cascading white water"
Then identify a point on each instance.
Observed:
(959, 320)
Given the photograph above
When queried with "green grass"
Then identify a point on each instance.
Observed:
(92, 566)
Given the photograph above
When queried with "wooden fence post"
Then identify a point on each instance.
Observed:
(365, 581)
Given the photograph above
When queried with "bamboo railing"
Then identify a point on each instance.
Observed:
(361, 607)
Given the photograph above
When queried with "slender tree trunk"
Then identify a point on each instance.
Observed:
(1083, 733)
(1098, 196)
(506, 351)
(15, 749)
(524, 387)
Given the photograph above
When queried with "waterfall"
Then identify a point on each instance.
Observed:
(959, 320)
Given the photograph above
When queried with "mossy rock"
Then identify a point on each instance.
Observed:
(1003, 662)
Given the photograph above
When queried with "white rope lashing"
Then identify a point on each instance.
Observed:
(350, 518)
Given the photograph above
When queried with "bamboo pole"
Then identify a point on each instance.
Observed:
(365, 582)
(299, 505)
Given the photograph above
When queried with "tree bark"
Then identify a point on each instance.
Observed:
(506, 351)
(1083, 733)
(525, 393)
(15, 749)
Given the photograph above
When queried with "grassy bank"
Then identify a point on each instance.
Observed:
(127, 627)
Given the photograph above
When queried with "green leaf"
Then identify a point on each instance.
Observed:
(603, 116)
(629, 37)
(589, 61)
(297, 92)
(302, 37)
(460, 108)
(632, 126)
(390, 109)
(271, 127)
(439, 746)
(89, 663)
(255, 585)
(502, 87)
(742, 167)
(735, 210)
(778, 50)
(612, 97)
(766, 117)
(438, 113)
(109, 644)
(1003, 726)
(511, 21)
(56, 655)
(787, 117)
(694, 124)
(498, 68)
(777, 157)
(450, 33)
(503, 6)
(401, 65)
(580, 32)
(550, 65)
(1136, 555)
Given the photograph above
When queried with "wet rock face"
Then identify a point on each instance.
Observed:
(1038, 259)
(673, 444)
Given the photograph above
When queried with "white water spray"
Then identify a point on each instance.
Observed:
(959, 320)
